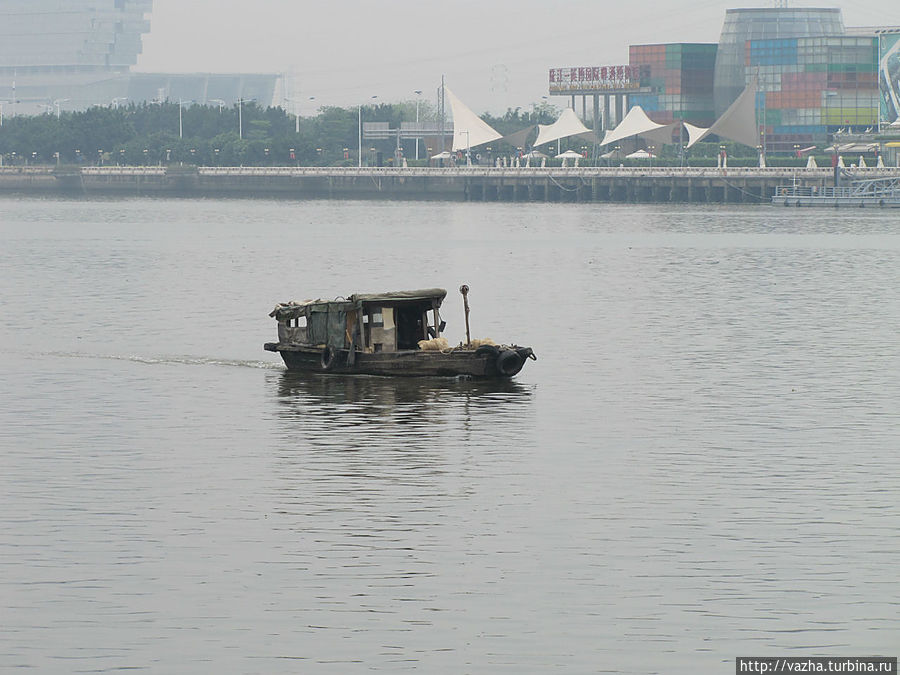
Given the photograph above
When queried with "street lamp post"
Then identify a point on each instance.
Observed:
(359, 135)
(180, 122)
(57, 103)
(651, 148)
(241, 102)
(468, 148)
(418, 93)
(297, 111)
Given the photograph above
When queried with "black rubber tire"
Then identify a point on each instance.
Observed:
(487, 350)
(329, 359)
(509, 363)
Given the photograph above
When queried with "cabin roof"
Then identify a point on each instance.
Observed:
(437, 294)
(294, 309)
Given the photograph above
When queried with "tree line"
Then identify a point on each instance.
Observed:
(248, 134)
(241, 135)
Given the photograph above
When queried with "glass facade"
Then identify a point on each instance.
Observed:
(71, 34)
(765, 24)
(79, 53)
(810, 88)
(680, 79)
(75, 52)
(889, 76)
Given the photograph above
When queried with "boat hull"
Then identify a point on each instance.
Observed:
(478, 364)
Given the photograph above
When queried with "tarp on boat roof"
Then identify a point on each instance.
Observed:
(434, 294)
(293, 310)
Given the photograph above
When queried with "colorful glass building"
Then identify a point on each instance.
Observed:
(676, 81)
(814, 77)
(763, 24)
(812, 87)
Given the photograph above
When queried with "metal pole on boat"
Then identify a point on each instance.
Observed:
(465, 293)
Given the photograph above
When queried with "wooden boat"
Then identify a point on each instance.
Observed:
(397, 333)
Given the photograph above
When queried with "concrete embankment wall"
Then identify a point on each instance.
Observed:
(592, 184)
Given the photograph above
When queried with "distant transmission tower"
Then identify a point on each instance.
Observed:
(781, 4)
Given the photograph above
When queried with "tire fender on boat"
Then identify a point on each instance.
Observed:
(487, 350)
(509, 362)
(329, 358)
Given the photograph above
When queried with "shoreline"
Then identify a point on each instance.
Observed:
(479, 184)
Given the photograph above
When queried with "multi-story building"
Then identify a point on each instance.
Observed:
(771, 23)
(815, 77)
(812, 87)
(679, 78)
(72, 54)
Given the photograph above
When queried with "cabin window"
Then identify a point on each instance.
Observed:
(299, 322)
(377, 317)
(378, 346)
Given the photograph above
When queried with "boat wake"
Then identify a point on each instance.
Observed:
(173, 360)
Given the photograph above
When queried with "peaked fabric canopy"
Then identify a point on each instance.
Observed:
(694, 133)
(640, 154)
(567, 125)
(635, 123)
(517, 138)
(469, 130)
(738, 123)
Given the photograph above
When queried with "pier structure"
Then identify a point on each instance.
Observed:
(478, 184)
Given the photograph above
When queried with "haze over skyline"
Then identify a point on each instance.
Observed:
(495, 54)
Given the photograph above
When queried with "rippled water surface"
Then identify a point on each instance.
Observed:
(702, 464)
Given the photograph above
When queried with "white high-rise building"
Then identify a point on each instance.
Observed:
(74, 54)
(79, 50)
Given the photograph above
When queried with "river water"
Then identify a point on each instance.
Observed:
(702, 464)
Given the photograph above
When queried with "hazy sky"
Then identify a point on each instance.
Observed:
(495, 54)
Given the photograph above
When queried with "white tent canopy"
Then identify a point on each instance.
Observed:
(567, 125)
(852, 148)
(569, 154)
(738, 123)
(636, 123)
(640, 154)
(694, 133)
(469, 130)
(517, 138)
(446, 154)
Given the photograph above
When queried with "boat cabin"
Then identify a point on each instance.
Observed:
(370, 323)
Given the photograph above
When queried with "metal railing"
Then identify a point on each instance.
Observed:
(492, 171)
(887, 188)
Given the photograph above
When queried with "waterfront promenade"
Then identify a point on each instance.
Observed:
(556, 184)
